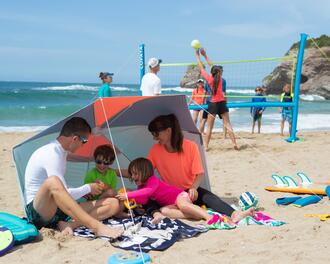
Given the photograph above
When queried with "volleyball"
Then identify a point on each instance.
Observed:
(195, 44)
(248, 200)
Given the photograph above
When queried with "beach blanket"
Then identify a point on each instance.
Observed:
(259, 218)
(146, 235)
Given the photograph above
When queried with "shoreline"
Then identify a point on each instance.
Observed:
(301, 240)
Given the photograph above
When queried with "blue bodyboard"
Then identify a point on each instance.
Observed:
(22, 231)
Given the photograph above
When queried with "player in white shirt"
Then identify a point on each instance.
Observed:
(49, 201)
(150, 83)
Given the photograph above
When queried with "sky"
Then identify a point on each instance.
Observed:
(72, 41)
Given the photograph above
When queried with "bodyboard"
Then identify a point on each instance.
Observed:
(23, 231)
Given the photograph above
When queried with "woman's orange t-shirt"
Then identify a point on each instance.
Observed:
(177, 169)
(198, 96)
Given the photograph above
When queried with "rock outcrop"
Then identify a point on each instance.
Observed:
(316, 67)
(191, 76)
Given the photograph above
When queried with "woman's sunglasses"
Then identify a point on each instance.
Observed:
(156, 133)
(106, 163)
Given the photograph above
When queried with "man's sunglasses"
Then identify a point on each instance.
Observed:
(83, 139)
(106, 163)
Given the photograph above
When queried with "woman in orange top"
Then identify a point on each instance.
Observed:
(218, 104)
(198, 98)
(179, 163)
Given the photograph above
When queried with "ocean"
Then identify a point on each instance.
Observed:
(33, 106)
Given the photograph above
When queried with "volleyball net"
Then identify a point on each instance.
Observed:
(241, 77)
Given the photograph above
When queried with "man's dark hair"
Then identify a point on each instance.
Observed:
(75, 126)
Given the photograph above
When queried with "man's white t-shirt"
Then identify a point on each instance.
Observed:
(150, 84)
(49, 160)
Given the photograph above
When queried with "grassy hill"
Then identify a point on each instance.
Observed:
(322, 41)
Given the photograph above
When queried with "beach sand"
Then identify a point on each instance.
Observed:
(301, 240)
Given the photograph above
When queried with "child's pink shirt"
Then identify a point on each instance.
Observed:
(157, 190)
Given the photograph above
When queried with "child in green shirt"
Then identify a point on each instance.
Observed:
(104, 156)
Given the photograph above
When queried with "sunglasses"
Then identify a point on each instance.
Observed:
(99, 162)
(156, 133)
(83, 139)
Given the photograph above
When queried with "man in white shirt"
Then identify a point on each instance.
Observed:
(150, 84)
(49, 201)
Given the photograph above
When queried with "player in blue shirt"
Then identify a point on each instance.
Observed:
(256, 112)
(105, 90)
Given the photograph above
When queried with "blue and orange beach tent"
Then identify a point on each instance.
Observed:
(120, 121)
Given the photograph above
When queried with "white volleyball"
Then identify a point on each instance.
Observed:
(195, 44)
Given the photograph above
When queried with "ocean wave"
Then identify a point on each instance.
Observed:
(271, 123)
(178, 89)
(241, 91)
(311, 97)
(72, 87)
(5, 129)
(120, 88)
(311, 121)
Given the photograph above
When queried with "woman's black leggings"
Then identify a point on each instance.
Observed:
(213, 201)
(205, 197)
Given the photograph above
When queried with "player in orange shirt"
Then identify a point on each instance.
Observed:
(198, 98)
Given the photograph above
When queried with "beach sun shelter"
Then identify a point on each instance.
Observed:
(120, 121)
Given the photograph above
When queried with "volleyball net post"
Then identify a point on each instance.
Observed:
(293, 135)
(142, 63)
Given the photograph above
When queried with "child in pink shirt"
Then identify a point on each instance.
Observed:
(169, 197)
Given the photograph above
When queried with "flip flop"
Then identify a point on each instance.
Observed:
(307, 200)
(327, 191)
(287, 200)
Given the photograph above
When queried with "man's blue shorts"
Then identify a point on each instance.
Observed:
(35, 218)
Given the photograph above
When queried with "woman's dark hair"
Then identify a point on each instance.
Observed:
(143, 167)
(163, 122)
(215, 71)
(106, 151)
(75, 126)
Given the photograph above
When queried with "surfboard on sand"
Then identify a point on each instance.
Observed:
(289, 185)
(297, 190)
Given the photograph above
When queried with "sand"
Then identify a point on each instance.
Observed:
(301, 240)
